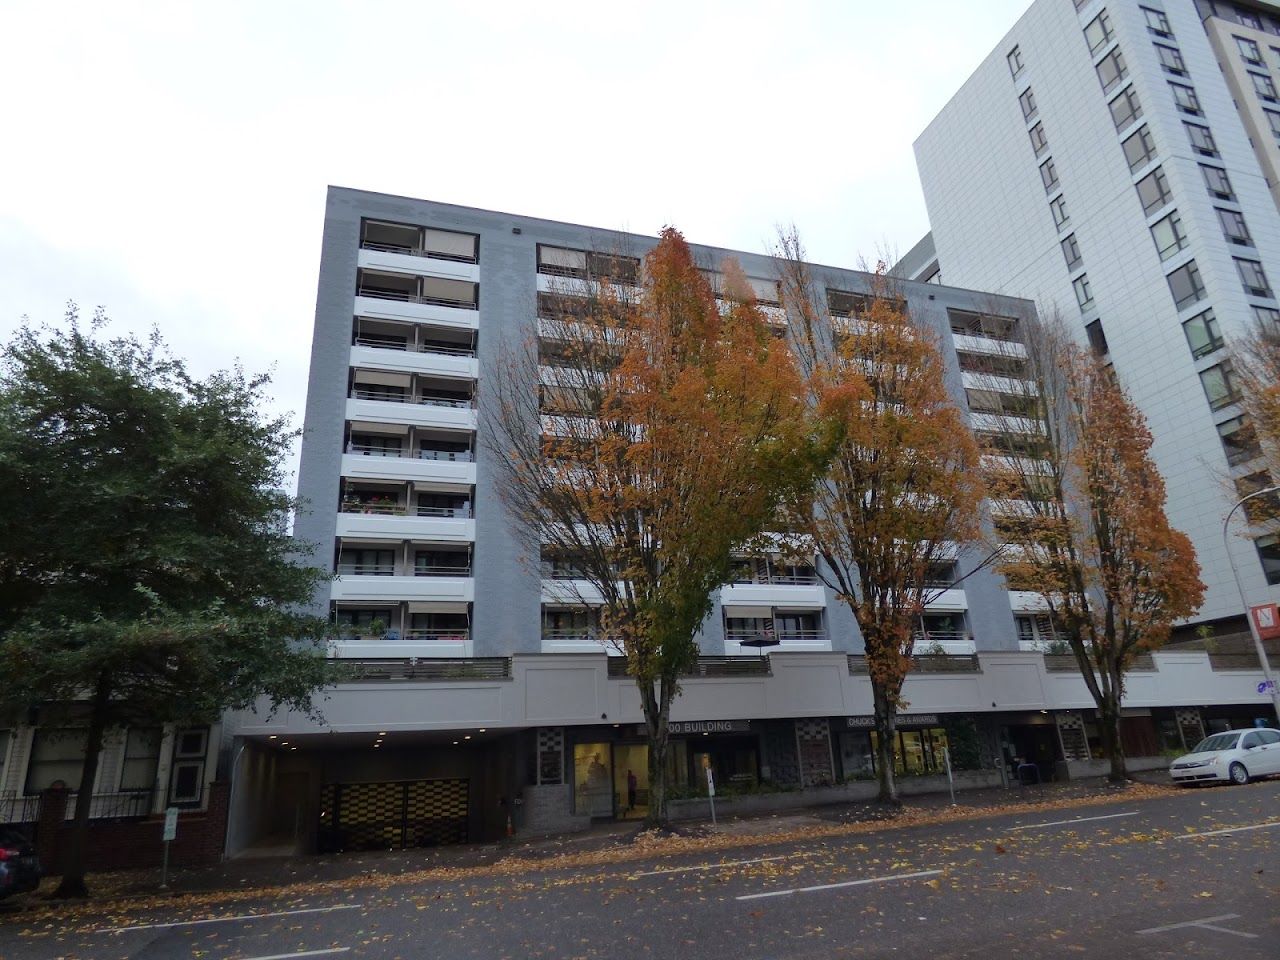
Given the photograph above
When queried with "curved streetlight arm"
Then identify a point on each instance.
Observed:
(1244, 602)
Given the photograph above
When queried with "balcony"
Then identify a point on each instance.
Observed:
(426, 358)
(406, 259)
(393, 521)
(706, 667)
(577, 641)
(925, 663)
(778, 591)
(379, 304)
(788, 640)
(377, 584)
(421, 411)
(400, 669)
(409, 643)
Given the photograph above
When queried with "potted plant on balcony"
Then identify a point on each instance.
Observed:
(377, 628)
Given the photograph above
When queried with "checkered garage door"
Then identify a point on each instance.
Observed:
(392, 815)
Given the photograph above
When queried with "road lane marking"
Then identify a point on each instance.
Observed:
(1058, 823)
(713, 866)
(1219, 833)
(302, 953)
(836, 886)
(1208, 923)
(243, 916)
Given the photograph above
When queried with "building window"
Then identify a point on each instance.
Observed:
(1264, 87)
(1269, 556)
(1261, 508)
(1168, 235)
(1249, 51)
(1217, 182)
(1269, 553)
(1203, 335)
(1219, 385)
(1140, 148)
(1253, 277)
(1098, 33)
(1234, 228)
(1028, 103)
(1186, 286)
(1071, 251)
(1201, 139)
(1084, 294)
(1049, 175)
(1039, 142)
(1157, 23)
(1248, 19)
(1268, 316)
(1153, 190)
(1239, 440)
(1186, 99)
(1273, 121)
(1097, 338)
(1111, 70)
(141, 758)
(1058, 205)
(1125, 108)
(1015, 62)
(1171, 60)
(56, 754)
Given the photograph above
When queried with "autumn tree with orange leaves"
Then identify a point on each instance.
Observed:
(1255, 363)
(665, 435)
(1080, 507)
(902, 489)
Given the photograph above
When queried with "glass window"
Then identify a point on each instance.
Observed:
(1264, 87)
(1201, 139)
(1253, 277)
(1267, 316)
(592, 779)
(1202, 334)
(1186, 99)
(1219, 385)
(1097, 338)
(1071, 251)
(141, 757)
(1234, 228)
(1028, 103)
(1249, 51)
(1049, 175)
(1273, 121)
(1168, 235)
(1171, 60)
(1098, 32)
(1185, 285)
(1248, 19)
(1269, 555)
(1157, 22)
(1111, 70)
(1139, 148)
(1217, 182)
(1015, 61)
(1125, 108)
(1058, 205)
(1039, 142)
(1084, 294)
(56, 754)
(1153, 190)
(1239, 440)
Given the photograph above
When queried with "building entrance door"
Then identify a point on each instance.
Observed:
(593, 779)
(631, 780)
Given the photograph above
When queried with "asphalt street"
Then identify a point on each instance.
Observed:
(1196, 874)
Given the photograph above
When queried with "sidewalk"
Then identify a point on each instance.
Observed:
(249, 874)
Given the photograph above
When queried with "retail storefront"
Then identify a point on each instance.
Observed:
(919, 745)
(611, 764)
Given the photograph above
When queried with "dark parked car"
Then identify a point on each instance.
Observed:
(19, 868)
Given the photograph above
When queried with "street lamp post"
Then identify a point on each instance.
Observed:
(1253, 627)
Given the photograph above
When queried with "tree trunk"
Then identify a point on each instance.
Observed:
(887, 731)
(657, 711)
(1111, 742)
(73, 884)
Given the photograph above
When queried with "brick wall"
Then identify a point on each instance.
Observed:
(134, 844)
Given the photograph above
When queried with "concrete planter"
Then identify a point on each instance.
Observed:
(853, 792)
(1083, 769)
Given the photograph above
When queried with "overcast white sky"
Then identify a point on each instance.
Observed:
(169, 161)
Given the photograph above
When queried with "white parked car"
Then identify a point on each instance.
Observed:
(1237, 755)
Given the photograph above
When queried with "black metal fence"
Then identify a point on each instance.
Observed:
(443, 668)
(123, 805)
(926, 663)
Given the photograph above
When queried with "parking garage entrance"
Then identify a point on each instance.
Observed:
(392, 815)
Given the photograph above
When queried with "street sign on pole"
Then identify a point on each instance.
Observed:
(946, 758)
(1266, 619)
(711, 789)
(169, 834)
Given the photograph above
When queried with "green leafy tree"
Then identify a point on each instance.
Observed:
(146, 570)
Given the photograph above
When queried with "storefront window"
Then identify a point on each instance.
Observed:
(916, 751)
(592, 779)
(631, 780)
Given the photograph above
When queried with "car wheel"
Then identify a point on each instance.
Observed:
(1238, 773)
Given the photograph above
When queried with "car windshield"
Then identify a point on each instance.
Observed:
(1219, 741)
